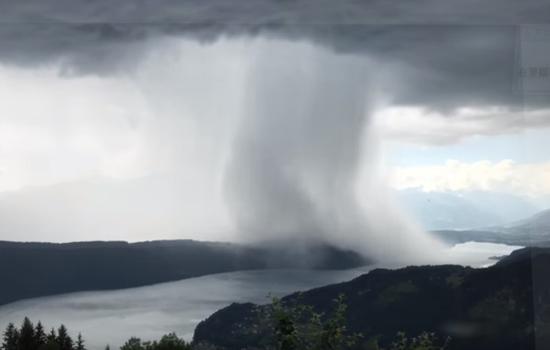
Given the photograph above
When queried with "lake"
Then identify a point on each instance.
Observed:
(111, 317)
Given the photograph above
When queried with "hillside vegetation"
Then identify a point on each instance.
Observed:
(503, 307)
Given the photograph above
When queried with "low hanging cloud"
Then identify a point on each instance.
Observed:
(531, 179)
(427, 127)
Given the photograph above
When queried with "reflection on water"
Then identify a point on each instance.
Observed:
(477, 254)
(111, 317)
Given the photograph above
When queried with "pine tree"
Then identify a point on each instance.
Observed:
(80, 343)
(10, 338)
(51, 337)
(26, 336)
(51, 341)
(63, 339)
(39, 335)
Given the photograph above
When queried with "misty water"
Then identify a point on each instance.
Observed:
(111, 317)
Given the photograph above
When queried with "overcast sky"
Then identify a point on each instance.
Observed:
(148, 120)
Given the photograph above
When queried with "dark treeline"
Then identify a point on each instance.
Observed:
(168, 342)
(296, 327)
(31, 337)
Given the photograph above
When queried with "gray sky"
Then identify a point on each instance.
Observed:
(145, 120)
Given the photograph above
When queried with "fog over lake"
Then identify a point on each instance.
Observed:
(111, 317)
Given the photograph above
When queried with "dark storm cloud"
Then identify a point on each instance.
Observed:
(263, 12)
(451, 53)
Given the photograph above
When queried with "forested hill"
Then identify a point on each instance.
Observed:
(40, 269)
(496, 308)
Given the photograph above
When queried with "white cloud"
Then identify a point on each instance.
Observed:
(54, 129)
(128, 156)
(505, 176)
(175, 111)
(419, 125)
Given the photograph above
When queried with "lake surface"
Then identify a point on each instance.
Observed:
(111, 317)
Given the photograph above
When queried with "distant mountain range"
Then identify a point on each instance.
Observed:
(537, 225)
(533, 231)
(467, 209)
(31, 270)
(503, 307)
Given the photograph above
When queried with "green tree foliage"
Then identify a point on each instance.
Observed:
(168, 342)
(52, 336)
(300, 327)
(80, 343)
(132, 344)
(26, 336)
(39, 336)
(29, 337)
(10, 338)
(51, 341)
(425, 341)
(64, 341)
